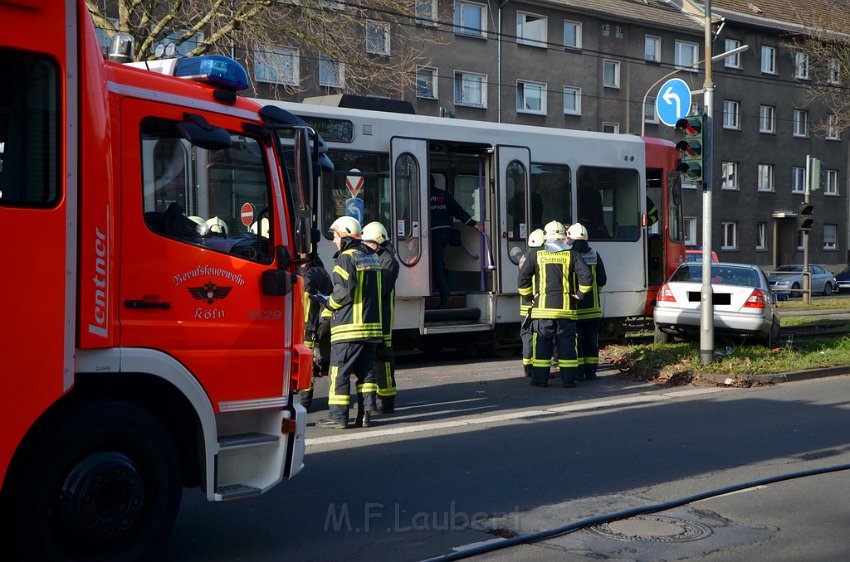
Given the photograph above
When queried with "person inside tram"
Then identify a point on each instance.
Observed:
(444, 209)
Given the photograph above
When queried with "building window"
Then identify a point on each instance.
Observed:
(606, 30)
(470, 19)
(729, 175)
(530, 97)
(801, 123)
(276, 66)
(767, 119)
(610, 73)
(531, 29)
(732, 61)
(652, 48)
(731, 114)
(426, 83)
(768, 59)
(801, 66)
(831, 130)
(331, 73)
(830, 236)
(831, 182)
(690, 231)
(650, 115)
(834, 72)
(686, 56)
(761, 236)
(765, 177)
(572, 34)
(471, 89)
(798, 179)
(610, 127)
(729, 240)
(618, 31)
(378, 38)
(572, 100)
(426, 12)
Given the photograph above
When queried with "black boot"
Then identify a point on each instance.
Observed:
(386, 405)
(363, 419)
(527, 369)
(307, 399)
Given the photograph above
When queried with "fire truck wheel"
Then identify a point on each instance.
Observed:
(102, 483)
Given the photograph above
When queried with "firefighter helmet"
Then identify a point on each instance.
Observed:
(375, 232)
(535, 239)
(553, 231)
(346, 226)
(577, 232)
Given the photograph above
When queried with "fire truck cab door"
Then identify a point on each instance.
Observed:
(192, 255)
(514, 164)
(411, 208)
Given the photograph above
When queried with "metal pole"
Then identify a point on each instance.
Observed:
(706, 339)
(807, 280)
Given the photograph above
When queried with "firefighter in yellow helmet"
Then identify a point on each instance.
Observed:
(589, 311)
(535, 240)
(375, 237)
(553, 282)
(356, 329)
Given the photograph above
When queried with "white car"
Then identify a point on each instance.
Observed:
(743, 302)
(789, 279)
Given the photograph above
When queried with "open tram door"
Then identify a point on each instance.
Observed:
(514, 163)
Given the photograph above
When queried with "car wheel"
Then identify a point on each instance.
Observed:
(772, 338)
(827, 289)
(661, 336)
(795, 290)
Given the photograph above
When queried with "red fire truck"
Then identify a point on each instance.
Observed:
(151, 334)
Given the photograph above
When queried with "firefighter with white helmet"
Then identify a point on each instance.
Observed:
(535, 240)
(375, 237)
(356, 329)
(553, 281)
(589, 311)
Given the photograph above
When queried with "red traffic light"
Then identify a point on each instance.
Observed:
(691, 127)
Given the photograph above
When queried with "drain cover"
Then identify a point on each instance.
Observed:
(654, 528)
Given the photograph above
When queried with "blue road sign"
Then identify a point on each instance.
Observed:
(673, 101)
(354, 208)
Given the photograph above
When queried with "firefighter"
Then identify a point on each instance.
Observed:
(375, 237)
(317, 335)
(356, 329)
(553, 282)
(535, 240)
(589, 311)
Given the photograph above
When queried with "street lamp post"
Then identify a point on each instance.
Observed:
(706, 316)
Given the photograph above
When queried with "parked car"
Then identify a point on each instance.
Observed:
(842, 280)
(696, 256)
(743, 302)
(788, 279)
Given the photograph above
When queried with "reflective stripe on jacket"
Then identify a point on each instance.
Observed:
(549, 280)
(356, 298)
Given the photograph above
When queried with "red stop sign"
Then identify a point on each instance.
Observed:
(247, 213)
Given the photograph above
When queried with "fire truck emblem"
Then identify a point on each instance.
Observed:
(210, 292)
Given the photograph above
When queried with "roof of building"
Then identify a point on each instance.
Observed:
(788, 15)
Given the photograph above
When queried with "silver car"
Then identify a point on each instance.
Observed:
(743, 302)
(789, 279)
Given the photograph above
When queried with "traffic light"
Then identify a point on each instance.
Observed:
(805, 221)
(691, 147)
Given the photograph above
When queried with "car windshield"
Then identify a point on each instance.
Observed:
(845, 271)
(720, 275)
(790, 268)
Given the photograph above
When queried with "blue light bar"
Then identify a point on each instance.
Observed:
(213, 69)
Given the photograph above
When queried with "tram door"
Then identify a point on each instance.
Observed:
(514, 198)
(410, 216)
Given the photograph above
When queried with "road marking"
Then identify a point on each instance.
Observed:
(525, 414)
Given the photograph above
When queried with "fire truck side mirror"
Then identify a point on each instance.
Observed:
(200, 133)
(278, 282)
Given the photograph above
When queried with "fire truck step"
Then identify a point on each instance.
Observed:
(234, 491)
(452, 314)
(245, 440)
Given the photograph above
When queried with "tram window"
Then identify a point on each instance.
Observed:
(551, 183)
(608, 203)
(466, 193)
(407, 209)
(359, 186)
(30, 131)
(515, 195)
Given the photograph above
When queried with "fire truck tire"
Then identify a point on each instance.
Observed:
(103, 483)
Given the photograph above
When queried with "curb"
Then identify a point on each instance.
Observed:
(781, 377)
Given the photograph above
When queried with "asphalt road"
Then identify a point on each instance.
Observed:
(474, 454)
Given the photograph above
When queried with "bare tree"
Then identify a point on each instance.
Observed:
(376, 43)
(825, 48)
